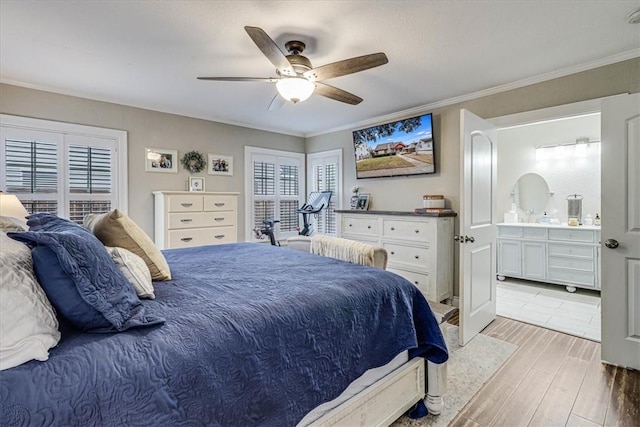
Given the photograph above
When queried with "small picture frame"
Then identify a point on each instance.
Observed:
(196, 183)
(160, 160)
(363, 202)
(220, 164)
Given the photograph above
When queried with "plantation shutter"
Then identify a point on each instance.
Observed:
(325, 173)
(276, 191)
(63, 174)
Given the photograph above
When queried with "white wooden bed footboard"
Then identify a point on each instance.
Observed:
(388, 398)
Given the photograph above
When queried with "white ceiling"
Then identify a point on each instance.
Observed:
(148, 53)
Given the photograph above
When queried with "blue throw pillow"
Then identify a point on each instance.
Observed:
(80, 278)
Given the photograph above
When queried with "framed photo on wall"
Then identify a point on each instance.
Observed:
(220, 165)
(196, 183)
(160, 160)
(363, 202)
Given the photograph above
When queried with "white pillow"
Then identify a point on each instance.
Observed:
(28, 323)
(134, 269)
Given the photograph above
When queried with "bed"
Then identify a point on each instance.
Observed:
(253, 335)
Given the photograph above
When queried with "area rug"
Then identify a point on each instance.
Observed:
(469, 368)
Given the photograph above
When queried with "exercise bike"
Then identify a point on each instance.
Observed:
(317, 201)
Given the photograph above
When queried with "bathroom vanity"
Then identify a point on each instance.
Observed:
(559, 254)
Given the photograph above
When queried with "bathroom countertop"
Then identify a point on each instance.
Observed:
(564, 225)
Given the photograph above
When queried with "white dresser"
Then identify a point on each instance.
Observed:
(184, 219)
(557, 254)
(420, 247)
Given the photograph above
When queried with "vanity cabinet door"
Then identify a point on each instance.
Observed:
(509, 258)
(534, 260)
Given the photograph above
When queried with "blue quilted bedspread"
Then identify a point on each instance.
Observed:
(254, 335)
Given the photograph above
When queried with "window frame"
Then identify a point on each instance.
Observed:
(251, 153)
(66, 134)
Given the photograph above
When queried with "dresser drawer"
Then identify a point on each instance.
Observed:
(180, 220)
(534, 233)
(408, 255)
(185, 203)
(408, 230)
(582, 264)
(585, 236)
(571, 250)
(421, 280)
(220, 203)
(577, 277)
(201, 236)
(510, 231)
(360, 225)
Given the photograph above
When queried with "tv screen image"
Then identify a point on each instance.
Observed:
(400, 148)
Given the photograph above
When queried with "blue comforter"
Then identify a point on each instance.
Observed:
(254, 335)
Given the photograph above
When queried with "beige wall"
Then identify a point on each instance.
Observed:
(406, 193)
(153, 129)
(147, 128)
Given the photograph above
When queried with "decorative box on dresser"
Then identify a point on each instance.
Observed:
(184, 219)
(419, 246)
(562, 255)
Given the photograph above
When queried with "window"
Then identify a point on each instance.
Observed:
(275, 189)
(325, 172)
(68, 170)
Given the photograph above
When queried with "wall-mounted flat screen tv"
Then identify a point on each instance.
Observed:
(400, 148)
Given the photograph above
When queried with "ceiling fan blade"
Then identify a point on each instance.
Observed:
(346, 66)
(276, 102)
(271, 50)
(241, 79)
(337, 94)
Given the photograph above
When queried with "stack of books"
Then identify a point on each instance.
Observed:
(432, 210)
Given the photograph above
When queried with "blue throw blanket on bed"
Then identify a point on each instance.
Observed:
(254, 335)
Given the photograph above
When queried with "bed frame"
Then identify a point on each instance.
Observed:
(391, 396)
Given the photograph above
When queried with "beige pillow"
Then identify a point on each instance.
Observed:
(135, 270)
(117, 229)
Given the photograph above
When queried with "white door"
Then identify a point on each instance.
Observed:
(477, 225)
(621, 231)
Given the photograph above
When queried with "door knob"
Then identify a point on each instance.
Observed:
(611, 243)
(469, 239)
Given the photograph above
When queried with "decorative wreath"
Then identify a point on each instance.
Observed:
(194, 161)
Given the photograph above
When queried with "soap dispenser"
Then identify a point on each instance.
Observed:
(596, 220)
(545, 218)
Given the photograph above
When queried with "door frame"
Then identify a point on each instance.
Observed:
(558, 112)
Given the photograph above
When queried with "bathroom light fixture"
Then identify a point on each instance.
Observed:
(582, 143)
(295, 89)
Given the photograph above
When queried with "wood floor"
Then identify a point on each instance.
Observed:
(552, 379)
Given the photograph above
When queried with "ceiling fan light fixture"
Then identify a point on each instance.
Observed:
(295, 89)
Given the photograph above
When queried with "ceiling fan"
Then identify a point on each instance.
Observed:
(297, 79)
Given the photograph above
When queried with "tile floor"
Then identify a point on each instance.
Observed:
(550, 306)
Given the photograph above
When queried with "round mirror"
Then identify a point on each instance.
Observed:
(531, 193)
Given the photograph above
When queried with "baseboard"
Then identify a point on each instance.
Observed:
(455, 301)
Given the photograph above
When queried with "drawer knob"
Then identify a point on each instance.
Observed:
(219, 204)
(417, 257)
(393, 228)
(368, 226)
(219, 236)
(393, 253)
(417, 231)
(218, 219)
(415, 282)
(186, 205)
(350, 225)
(187, 239)
(186, 220)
